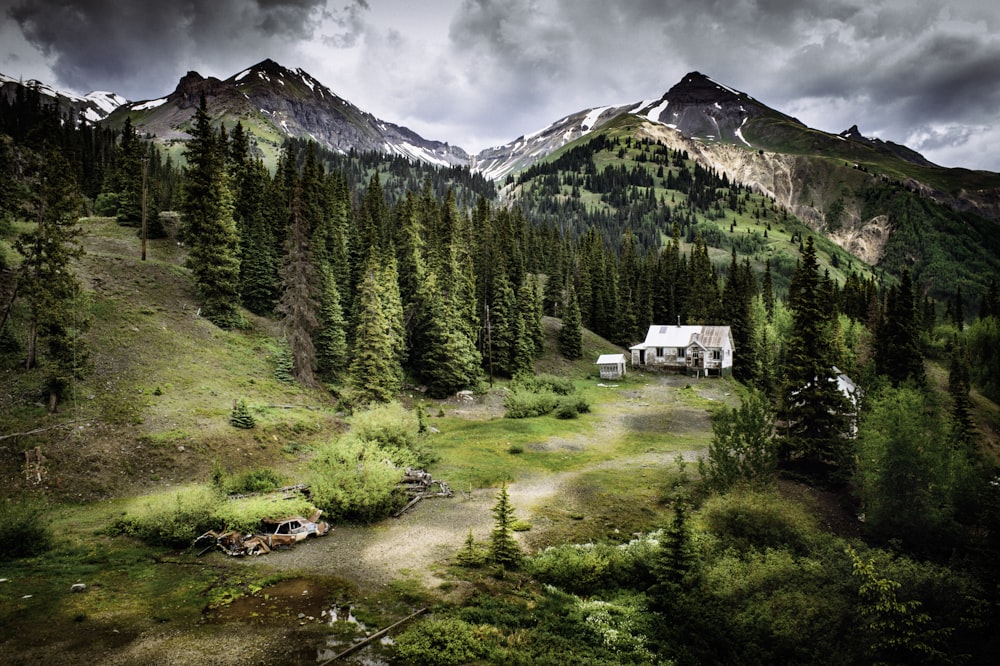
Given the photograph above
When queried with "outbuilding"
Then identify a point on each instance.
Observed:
(612, 366)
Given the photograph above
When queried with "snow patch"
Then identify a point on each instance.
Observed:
(739, 131)
(592, 116)
(655, 113)
(718, 106)
(241, 75)
(151, 104)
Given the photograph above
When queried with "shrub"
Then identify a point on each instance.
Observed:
(591, 568)
(25, 528)
(569, 407)
(744, 520)
(395, 429)
(523, 404)
(252, 481)
(173, 520)
(444, 642)
(176, 519)
(543, 383)
(355, 479)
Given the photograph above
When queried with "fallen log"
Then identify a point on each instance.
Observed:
(376, 635)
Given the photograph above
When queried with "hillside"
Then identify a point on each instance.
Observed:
(629, 174)
(155, 408)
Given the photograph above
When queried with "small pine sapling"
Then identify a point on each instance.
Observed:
(241, 416)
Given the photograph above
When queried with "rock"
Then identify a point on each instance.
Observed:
(78, 587)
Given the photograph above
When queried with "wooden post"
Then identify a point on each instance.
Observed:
(377, 634)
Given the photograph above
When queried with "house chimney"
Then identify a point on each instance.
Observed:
(678, 321)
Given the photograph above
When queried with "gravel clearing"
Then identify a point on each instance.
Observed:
(420, 542)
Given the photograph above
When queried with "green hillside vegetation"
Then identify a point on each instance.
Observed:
(336, 327)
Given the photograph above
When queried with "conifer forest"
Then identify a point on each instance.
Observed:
(380, 291)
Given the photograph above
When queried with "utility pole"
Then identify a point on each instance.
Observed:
(145, 165)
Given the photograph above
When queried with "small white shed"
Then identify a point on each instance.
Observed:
(612, 366)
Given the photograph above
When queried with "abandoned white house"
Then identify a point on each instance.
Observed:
(612, 366)
(695, 350)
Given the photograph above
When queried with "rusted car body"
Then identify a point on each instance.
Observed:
(283, 533)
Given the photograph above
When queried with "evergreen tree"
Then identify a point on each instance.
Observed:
(571, 335)
(675, 568)
(209, 228)
(331, 341)
(505, 322)
(503, 549)
(448, 361)
(131, 152)
(813, 407)
(376, 373)
(898, 353)
(962, 426)
(298, 305)
(47, 283)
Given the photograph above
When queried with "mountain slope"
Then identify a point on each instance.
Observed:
(275, 103)
(93, 106)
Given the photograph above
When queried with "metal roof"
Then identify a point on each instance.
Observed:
(685, 336)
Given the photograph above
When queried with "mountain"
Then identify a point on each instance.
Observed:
(275, 103)
(93, 106)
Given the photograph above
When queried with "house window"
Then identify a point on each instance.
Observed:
(681, 351)
(659, 351)
(716, 355)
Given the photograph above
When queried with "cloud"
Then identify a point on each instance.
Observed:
(482, 72)
(133, 47)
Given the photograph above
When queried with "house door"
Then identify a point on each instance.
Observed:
(642, 357)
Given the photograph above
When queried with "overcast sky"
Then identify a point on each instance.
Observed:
(479, 73)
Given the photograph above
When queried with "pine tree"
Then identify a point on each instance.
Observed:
(898, 353)
(209, 228)
(571, 334)
(298, 305)
(47, 283)
(448, 360)
(675, 567)
(962, 426)
(331, 341)
(812, 405)
(376, 373)
(503, 549)
(241, 417)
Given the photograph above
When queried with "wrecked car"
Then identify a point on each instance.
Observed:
(282, 533)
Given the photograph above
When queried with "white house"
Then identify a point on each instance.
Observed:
(695, 350)
(612, 366)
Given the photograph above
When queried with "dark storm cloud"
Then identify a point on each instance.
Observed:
(139, 49)
(350, 24)
(898, 68)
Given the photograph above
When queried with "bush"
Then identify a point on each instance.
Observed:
(25, 528)
(355, 479)
(395, 429)
(176, 519)
(251, 481)
(745, 520)
(543, 383)
(523, 404)
(444, 642)
(569, 407)
(592, 568)
(173, 520)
